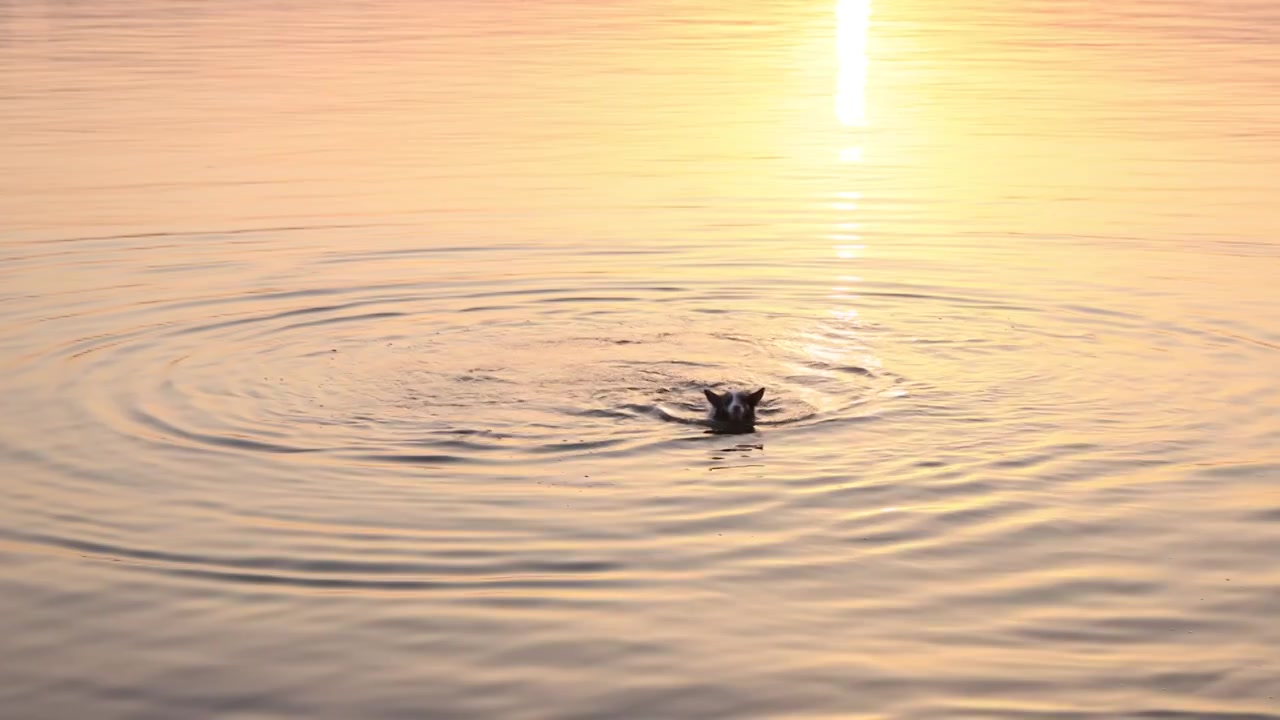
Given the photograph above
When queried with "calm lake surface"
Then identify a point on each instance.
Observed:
(352, 359)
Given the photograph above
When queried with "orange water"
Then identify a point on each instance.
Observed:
(352, 359)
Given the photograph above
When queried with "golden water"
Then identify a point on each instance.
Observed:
(353, 354)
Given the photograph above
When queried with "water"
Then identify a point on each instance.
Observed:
(353, 358)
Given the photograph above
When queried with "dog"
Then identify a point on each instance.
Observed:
(733, 409)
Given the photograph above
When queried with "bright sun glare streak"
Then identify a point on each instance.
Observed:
(853, 21)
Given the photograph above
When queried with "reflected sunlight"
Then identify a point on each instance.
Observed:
(851, 154)
(853, 18)
(852, 28)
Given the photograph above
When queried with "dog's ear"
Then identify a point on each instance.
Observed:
(754, 398)
(712, 398)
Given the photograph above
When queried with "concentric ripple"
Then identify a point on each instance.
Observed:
(404, 443)
(302, 395)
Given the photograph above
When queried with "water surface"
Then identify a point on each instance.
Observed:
(353, 359)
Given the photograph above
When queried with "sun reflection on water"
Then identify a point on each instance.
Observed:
(852, 31)
(853, 19)
(852, 27)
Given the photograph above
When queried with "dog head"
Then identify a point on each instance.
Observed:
(734, 407)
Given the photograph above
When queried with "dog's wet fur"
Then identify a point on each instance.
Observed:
(734, 410)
